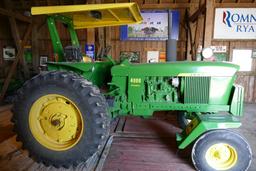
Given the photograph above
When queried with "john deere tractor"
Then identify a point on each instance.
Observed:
(62, 116)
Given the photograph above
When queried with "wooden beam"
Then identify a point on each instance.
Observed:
(234, 5)
(208, 23)
(36, 28)
(35, 2)
(189, 36)
(198, 34)
(23, 4)
(48, 2)
(108, 35)
(168, 5)
(15, 62)
(15, 15)
(90, 36)
(196, 14)
(5, 108)
(15, 32)
(17, 40)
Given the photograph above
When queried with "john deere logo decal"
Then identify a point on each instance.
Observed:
(241, 22)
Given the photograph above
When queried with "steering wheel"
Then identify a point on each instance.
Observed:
(104, 54)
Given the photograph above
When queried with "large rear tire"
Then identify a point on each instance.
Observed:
(60, 118)
(221, 150)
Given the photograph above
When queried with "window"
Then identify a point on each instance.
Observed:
(243, 57)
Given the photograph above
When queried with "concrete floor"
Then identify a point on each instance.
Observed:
(137, 144)
(248, 130)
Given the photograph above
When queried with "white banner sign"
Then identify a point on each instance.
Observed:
(235, 23)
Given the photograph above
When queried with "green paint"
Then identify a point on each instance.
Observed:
(57, 45)
(203, 123)
(56, 42)
(237, 103)
(97, 72)
(141, 89)
(146, 88)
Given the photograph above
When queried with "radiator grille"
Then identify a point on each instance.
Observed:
(196, 90)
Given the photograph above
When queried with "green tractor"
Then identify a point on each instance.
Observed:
(62, 116)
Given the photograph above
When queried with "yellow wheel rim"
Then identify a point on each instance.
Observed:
(56, 122)
(221, 156)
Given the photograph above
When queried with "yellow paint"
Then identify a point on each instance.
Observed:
(112, 14)
(56, 122)
(135, 85)
(221, 156)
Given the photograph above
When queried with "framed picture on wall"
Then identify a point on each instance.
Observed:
(132, 56)
(43, 60)
(153, 27)
(9, 53)
(152, 56)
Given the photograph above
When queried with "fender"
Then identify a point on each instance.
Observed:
(96, 72)
(203, 123)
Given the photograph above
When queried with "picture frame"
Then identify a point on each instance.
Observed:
(132, 56)
(43, 60)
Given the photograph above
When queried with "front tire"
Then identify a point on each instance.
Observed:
(60, 118)
(221, 150)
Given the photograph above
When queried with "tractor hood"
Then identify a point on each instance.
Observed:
(183, 68)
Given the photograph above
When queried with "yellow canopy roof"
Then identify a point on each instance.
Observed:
(95, 15)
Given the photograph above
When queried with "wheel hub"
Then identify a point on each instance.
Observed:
(221, 156)
(56, 122)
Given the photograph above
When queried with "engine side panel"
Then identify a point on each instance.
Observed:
(142, 93)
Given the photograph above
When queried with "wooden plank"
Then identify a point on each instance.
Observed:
(15, 32)
(168, 5)
(5, 108)
(17, 40)
(198, 33)
(208, 23)
(145, 154)
(5, 118)
(104, 155)
(246, 73)
(254, 89)
(35, 43)
(90, 36)
(120, 124)
(250, 89)
(9, 146)
(15, 15)
(197, 13)
(234, 5)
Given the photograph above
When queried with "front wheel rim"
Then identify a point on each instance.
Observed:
(56, 122)
(221, 156)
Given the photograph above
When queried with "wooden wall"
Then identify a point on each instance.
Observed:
(247, 79)
(113, 39)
